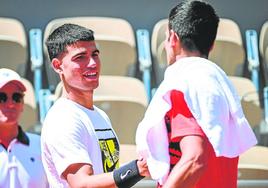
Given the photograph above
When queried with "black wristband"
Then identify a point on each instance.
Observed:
(127, 175)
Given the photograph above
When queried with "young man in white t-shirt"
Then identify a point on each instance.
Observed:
(20, 152)
(79, 145)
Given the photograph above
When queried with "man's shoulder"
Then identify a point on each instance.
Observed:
(33, 136)
(34, 139)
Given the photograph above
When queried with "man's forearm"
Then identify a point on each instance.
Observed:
(184, 174)
(94, 181)
(124, 177)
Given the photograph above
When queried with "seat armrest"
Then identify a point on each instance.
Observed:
(36, 54)
(144, 57)
(253, 57)
(45, 102)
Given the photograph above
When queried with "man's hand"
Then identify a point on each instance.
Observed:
(143, 167)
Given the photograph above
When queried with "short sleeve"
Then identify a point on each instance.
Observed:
(67, 144)
(181, 119)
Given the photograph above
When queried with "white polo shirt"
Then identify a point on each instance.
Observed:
(20, 163)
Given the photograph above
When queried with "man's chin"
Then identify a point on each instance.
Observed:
(95, 86)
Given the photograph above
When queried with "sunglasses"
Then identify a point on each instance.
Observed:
(16, 97)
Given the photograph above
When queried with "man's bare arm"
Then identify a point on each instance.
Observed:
(81, 176)
(192, 164)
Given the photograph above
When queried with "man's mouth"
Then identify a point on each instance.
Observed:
(91, 75)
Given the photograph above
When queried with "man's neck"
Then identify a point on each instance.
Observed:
(185, 53)
(8, 132)
(82, 98)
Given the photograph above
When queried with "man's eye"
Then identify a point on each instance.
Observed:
(79, 57)
(95, 55)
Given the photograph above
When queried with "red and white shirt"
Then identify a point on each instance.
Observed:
(213, 111)
(221, 171)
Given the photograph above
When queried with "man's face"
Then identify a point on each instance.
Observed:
(80, 66)
(11, 103)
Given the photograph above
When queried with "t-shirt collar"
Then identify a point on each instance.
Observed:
(22, 137)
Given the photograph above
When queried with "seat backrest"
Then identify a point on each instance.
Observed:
(124, 99)
(13, 45)
(228, 51)
(128, 152)
(263, 43)
(253, 164)
(29, 116)
(158, 49)
(249, 99)
(157, 42)
(114, 37)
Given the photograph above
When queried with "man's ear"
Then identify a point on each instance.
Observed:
(56, 64)
(173, 38)
(175, 41)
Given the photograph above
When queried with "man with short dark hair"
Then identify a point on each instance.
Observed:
(194, 129)
(79, 145)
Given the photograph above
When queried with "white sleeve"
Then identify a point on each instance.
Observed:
(66, 142)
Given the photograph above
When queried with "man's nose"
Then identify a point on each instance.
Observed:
(10, 103)
(92, 62)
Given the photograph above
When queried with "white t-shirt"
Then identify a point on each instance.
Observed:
(20, 163)
(74, 134)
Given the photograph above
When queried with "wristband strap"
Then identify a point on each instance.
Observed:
(127, 175)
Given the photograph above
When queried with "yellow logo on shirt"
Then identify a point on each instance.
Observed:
(110, 154)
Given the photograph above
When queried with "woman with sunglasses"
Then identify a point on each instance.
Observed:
(20, 156)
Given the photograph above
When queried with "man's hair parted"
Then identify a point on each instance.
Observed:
(65, 35)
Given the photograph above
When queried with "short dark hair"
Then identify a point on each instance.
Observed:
(65, 35)
(195, 23)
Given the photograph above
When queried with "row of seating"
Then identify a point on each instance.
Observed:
(128, 69)
(132, 56)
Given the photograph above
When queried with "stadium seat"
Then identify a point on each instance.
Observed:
(263, 49)
(253, 164)
(158, 49)
(258, 70)
(13, 45)
(115, 38)
(249, 99)
(29, 117)
(263, 42)
(124, 100)
(127, 153)
(14, 55)
(228, 51)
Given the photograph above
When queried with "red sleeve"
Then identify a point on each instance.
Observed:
(182, 121)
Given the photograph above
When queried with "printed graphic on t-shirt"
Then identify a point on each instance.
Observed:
(109, 149)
